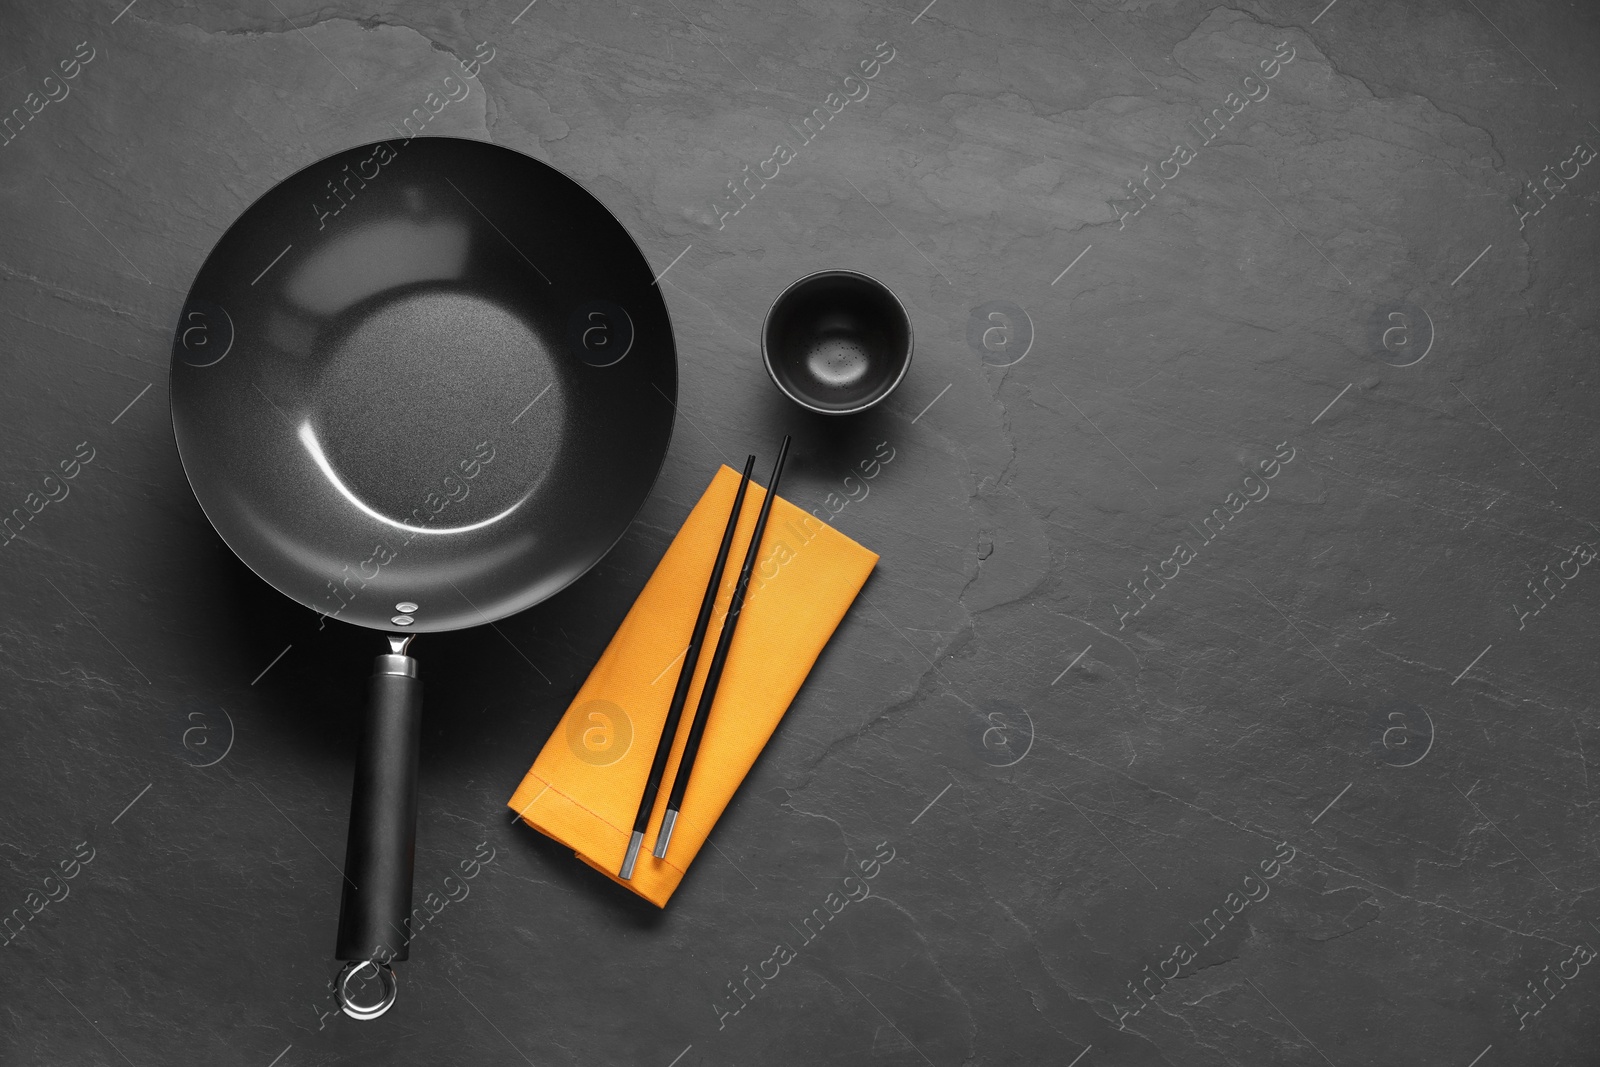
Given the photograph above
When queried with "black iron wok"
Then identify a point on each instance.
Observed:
(418, 386)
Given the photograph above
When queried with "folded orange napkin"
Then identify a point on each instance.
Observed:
(584, 788)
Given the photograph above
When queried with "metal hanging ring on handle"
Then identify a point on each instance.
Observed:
(351, 1007)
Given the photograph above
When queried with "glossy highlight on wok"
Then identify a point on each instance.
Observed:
(454, 488)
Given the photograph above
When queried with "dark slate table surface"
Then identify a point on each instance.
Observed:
(1310, 789)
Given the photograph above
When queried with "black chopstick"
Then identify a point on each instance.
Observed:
(697, 725)
(691, 657)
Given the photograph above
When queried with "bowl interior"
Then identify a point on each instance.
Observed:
(837, 342)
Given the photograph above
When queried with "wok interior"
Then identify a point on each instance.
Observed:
(403, 417)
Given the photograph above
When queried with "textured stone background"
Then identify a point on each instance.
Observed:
(1344, 670)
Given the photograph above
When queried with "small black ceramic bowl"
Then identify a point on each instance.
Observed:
(837, 342)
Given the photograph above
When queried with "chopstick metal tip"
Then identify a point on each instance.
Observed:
(664, 835)
(669, 726)
(626, 874)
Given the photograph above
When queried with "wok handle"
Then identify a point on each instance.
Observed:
(381, 852)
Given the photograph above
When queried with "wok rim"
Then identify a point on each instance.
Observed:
(483, 617)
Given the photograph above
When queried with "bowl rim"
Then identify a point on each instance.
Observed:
(838, 272)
